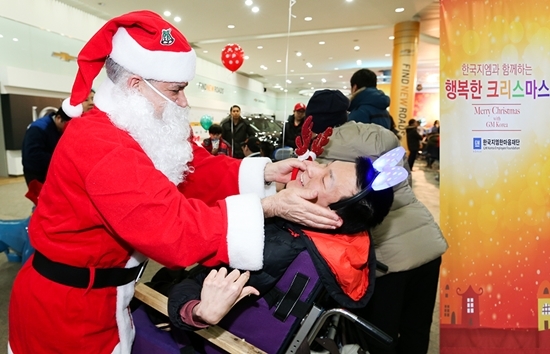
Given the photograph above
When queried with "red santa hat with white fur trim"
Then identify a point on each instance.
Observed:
(143, 43)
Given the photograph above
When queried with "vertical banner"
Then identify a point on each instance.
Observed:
(495, 176)
(405, 53)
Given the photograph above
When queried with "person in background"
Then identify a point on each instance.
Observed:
(408, 240)
(368, 104)
(235, 130)
(39, 143)
(293, 126)
(414, 141)
(89, 103)
(251, 147)
(266, 149)
(112, 197)
(435, 128)
(215, 144)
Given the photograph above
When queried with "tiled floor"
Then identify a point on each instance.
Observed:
(13, 205)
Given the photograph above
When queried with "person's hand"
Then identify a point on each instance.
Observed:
(220, 292)
(296, 205)
(281, 171)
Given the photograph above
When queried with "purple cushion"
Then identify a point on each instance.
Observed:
(149, 339)
(254, 321)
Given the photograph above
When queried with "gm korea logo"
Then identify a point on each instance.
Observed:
(477, 144)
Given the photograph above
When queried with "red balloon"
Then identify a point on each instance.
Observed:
(232, 57)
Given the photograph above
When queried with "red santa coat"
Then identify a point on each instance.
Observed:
(105, 205)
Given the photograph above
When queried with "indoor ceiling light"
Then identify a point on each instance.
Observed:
(246, 57)
(231, 26)
(341, 76)
(255, 9)
(248, 2)
(1, 36)
(260, 47)
(400, 9)
(205, 51)
(344, 87)
(323, 80)
(309, 65)
(292, 70)
(335, 68)
(177, 19)
(308, 18)
(301, 77)
(288, 81)
(167, 13)
(278, 60)
(387, 55)
(322, 42)
(391, 38)
(359, 62)
(356, 47)
(16, 40)
(349, 0)
(298, 54)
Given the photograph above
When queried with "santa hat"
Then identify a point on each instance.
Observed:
(143, 43)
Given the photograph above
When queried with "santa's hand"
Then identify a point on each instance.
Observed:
(281, 171)
(220, 292)
(296, 205)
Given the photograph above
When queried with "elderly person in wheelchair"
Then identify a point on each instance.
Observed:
(359, 194)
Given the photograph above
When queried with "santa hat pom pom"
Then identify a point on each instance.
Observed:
(70, 110)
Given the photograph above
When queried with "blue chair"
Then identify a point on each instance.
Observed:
(14, 240)
(283, 153)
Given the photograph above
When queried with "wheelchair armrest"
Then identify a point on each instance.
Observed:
(369, 328)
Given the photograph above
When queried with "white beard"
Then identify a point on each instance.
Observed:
(164, 139)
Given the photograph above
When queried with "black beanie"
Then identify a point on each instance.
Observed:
(329, 108)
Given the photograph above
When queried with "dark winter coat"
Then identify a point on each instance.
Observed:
(292, 131)
(39, 143)
(241, 132)
(369, 105)
(413, 138)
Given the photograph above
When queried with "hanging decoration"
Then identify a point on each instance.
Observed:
(206, 121)
(232, 57)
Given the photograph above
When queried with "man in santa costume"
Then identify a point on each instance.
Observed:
(110, 199)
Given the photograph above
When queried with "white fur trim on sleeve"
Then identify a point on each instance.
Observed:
(251, 176)
(245, 232)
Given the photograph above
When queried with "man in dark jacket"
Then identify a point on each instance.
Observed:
(368, 104)
(293, 126)
(235, 130)
(39, 143)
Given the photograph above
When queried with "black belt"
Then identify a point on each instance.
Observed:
(77, 277)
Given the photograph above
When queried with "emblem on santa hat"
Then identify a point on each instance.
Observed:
(143, 43)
